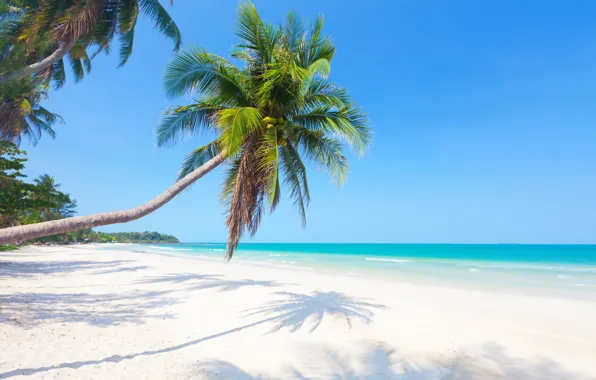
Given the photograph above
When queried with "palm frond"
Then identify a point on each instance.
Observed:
(126, 43)
(256, 36)
(77, 67)
(282, 83)
(127, 15)
(318, 47)
(293, 31)
(246, 200)
(58, 74)
(268, 166)
(230, 178)
(235, 125)
(163, 22)
(321, 66)
(348, 123)
(322, 150)
(50, 117)
(182, 122)
(40, 126)
(86, 62)
(198, 158)
(321, 94)
(197, 70)
(295, 178)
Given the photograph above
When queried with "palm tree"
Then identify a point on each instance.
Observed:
(55, 204)
(268, 115)
(21, 112)
(38, 34)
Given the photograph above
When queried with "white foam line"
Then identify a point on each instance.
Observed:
(171, 249)
(388, 260)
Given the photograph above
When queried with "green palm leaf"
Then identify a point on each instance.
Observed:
(256, 36)
(184, 121)
(322, 150)
(348, 123)
(295, 178)
(58, 74)
(163, 21)
(198, 158)
(235, 125)
(77, 67)
(198, 71)
(268, 153)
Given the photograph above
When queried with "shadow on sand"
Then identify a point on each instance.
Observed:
(295, 309)
(379, 362)
(122, 269)
(292, 312)
(31, 309)
(29, 269)
(194, 281)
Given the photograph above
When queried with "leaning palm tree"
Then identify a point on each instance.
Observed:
(268, 115)
(38, 34)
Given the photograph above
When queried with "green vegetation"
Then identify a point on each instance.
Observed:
(39, 38)
(90, 236)
(21, 112)
(269, 114)
(8, 248)
(22, 202)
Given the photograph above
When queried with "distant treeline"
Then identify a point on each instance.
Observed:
(131, 237)
(91, 236)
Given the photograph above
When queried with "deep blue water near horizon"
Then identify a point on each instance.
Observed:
(565, 270)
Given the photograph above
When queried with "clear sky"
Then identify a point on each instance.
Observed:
(484, 115)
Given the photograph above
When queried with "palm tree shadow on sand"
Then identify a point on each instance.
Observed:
(295, 309)
(178, 278)
(380, 362)
(193, 281)
(291, 312)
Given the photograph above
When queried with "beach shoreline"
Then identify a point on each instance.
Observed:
(85, 312)
(569, 275)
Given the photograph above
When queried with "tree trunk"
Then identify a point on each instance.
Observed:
(38, 66)
(32, 231)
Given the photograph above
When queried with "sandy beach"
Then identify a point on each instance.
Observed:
(79, 312)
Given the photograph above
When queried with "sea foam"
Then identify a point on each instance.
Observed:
(387, 260)
(171, 249)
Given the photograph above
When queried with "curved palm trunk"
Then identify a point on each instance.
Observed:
(32, 231)
(33, 68)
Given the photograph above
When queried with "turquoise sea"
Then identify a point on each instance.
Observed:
(554, 270)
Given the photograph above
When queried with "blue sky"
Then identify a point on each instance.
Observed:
(483, 112)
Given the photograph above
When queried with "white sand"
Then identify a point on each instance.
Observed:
(80, 313)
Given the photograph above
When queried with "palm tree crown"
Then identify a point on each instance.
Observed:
(31, 30)
(21, 112)
(267, 115)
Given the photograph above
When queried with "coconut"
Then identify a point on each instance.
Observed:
(269, 126)
(269, 120)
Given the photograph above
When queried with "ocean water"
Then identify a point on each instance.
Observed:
(553, 270)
